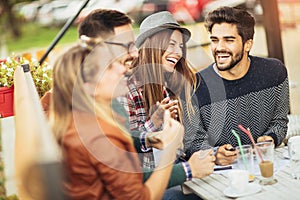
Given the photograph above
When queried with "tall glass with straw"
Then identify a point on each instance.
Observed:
(245, 157)
(265, 151)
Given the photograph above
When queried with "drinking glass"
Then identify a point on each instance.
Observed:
(294, 154)
(245, 161)
(265, 158)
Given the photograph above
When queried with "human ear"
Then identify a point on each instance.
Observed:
(248, 45)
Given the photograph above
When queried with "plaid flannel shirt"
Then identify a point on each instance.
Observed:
(139, 120)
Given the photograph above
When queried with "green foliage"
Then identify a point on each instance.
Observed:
(7, 68)
(41, 75)
(12, 197)
(34, 36)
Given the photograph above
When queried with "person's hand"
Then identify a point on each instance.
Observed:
(202, 163)
(171, 138)
(153, 140)
(172, 133)
(159, 139)
(265, 138)
(172, 106)
(225, 156)
(165, 104)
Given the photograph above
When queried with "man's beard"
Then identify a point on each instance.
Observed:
(233, 63)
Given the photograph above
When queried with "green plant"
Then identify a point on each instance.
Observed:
(36, 37)
(41, 75)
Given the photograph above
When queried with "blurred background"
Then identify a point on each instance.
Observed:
(29, 27)
(21, 19)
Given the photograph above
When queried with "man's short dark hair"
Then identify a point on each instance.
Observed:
(243, 20)
(101, 22)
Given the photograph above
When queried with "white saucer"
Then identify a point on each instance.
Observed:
(251, 189)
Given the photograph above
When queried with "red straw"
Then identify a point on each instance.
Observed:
(251, 138)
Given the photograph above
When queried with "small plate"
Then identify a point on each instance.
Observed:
(251, 189)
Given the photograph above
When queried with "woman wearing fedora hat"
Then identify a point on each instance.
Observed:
(162, 79)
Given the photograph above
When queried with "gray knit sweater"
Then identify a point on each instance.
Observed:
(259, 101)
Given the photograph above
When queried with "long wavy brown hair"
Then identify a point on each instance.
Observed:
(148, 70)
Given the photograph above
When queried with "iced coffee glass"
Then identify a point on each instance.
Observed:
(265, 158)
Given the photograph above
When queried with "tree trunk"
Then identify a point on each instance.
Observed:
(10, 21)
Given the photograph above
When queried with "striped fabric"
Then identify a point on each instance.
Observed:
(259, 101)
(139, 120)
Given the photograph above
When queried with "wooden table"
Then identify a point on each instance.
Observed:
(212, 187)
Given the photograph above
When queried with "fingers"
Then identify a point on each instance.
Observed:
(204, 153)
(174, 115)
(165, 100)
(172, 106)
(167, 104)
(167, 118)
(225, 157)
(228, 150)
(173, 130)
(202, 163)
(207, 155)
(265, 138)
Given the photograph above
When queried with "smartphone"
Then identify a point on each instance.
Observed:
(231, 149)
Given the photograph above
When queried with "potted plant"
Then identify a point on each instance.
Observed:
(41, 75)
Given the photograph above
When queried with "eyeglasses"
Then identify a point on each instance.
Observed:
(91, 44)
(130, 46)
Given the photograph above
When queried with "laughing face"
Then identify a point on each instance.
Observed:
(123, 44)
(227, 46)
(174, 51)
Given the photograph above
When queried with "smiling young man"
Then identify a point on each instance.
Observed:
(238, 89)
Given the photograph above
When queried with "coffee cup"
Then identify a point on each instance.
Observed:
(238, 179)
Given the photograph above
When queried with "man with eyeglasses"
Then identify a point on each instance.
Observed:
(107, 23)
(116, 29)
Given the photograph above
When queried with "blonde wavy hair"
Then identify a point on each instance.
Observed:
(69, 93)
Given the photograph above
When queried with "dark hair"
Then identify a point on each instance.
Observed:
(243, 20)
(101, 22)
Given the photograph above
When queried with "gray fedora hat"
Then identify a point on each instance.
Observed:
(157, 22)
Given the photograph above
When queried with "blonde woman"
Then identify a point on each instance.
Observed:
(99, 156)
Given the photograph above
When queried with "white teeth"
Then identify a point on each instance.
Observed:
(222, 58)
(222, 55)
(173, 60)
